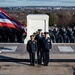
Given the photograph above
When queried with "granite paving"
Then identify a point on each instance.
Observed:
(23, 67)
(9, 68)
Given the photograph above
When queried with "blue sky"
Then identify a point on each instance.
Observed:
(4, 3)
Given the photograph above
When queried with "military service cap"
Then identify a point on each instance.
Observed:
(31, 35)
(39, 30)
(46, 32)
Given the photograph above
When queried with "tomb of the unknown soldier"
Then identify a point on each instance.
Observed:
(35, 22)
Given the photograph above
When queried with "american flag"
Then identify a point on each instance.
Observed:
(8, 21)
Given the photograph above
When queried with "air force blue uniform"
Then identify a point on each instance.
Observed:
(31, 48)
(46, 49)
(38, 38)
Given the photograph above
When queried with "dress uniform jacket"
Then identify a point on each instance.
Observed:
(39, 50)
(46, 43)
(74, 31)
(65, 37)
(46, 48)
(39, 40)
(71, 36)
(31, 46)
(56, 34)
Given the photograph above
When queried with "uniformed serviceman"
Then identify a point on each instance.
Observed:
(5, 35)
(31, 48)
(71, 36)
(46, 48)
(1, 33)
(19, 36)
(68, 33)
(74, 33)
(38, 38)
(56, 34)
(12, 35)
(52, 36)
(64, 35)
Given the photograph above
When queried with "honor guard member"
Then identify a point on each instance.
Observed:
(46, 48)
(61, 31)
(1, 33)
(68, 33)
(31, 48)
(38, 38)
(52, 35)
(71, 36)
(12, 35)
(74, 33)
(59, 39)
(5, 34)
(64, 35)
(19, 36)
(56, 33)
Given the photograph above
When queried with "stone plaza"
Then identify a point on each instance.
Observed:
(14, 60)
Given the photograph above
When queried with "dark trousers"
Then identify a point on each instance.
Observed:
(64, 39)
(71, 40)
(46, 57)
(39, 56)
(12, 38)
(0, 39)
(32, 58)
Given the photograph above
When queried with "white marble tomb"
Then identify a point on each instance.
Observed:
(35, 22)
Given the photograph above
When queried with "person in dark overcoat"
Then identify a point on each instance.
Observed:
(38, 38)
(31, 48)
(46, 48)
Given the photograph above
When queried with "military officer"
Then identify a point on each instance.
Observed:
(56, 34)
(1, 33)
(71, 36)
(12, 35)
(55, 31)
(4, 35)
(74, 33)
(46, 48)
(59, 39)
(19, 36)
(61, 31)
(53, 38)
(31, 48)
(68, 31)
(38, 38)
(52, 35)
(74, 30)
(64, 35)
